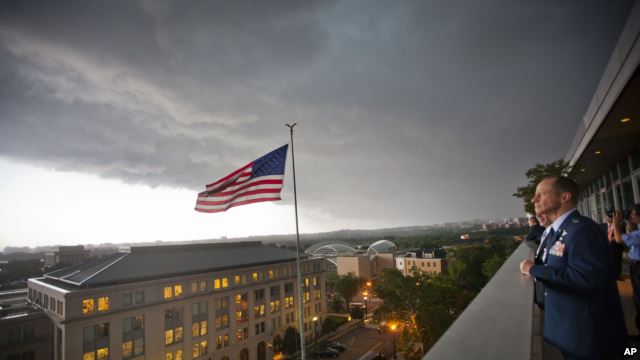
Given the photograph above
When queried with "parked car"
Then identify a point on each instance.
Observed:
(325, 352)
(337, 345)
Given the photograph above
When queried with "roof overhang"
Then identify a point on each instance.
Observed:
(603, 139)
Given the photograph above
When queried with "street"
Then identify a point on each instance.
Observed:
(362, 340)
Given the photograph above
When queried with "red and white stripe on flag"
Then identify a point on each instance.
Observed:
(260, 180)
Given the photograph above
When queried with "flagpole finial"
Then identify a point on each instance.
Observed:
(291, 126)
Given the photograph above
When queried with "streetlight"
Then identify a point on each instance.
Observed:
(393, 331)
(315, 328)
(365, 293)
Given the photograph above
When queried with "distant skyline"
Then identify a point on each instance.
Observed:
(114, 115)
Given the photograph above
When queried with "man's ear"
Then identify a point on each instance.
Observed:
(565, 197)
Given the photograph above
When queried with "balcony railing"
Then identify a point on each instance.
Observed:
(498, 323)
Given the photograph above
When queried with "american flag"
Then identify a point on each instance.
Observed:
(259, 180)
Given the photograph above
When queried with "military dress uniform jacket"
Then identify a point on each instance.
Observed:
(583, 313)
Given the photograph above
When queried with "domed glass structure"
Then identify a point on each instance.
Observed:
(381, 247)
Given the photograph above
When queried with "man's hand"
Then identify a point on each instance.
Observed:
(525, 265)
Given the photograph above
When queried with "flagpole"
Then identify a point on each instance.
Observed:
(295, 202)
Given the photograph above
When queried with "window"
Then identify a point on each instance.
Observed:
(258, 310)
(288, 302)
(288, 288)
(274, 292)
(216, 283)
(133, 336)
(271, 274)
(139, 297)
(87, 306)
(242, 334)
(95, 342)
(259, 328)
(28, 332)
(127, 299)
(240, 279)
(103, 303)
(199, 324)
(14, 335)
(168, 292)
(177, 290)
(242, 307)
(274, 306)
(222, 312)
(174, 355)
(202, 285)
(225, 282)
(258, 295)
(173, 325)
(194, 287)
(306, 282)
(222, 341)
(199, 348)
(254, 277)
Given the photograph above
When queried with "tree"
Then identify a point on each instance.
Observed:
(492, 265)
(347, 286)
(290, 341)
(422, 305)
(467, 267)
(331, 323)
(535, 174)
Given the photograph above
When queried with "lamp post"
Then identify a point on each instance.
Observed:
(393, 333)
(315, 328)
(365, 293)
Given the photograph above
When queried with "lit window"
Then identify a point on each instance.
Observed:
(89, 356)
(103, 353)
(103, 304)
(216, 284)
(177, 290)
(306, 281)
(195, 329)
(203, 327)
(225, 282)
(168, 294)
(194, 286)
(168, 337)
(168, 356)
(179, 354)
(236, 279)
(178, 334)
(196, 350)
(270, 274)
(203, 347)
(254, 276)
(315, 281)
(127, 349)
(87, 306)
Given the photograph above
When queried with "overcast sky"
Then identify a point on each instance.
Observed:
(114, 114)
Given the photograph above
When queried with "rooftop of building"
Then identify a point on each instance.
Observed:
(155, 262)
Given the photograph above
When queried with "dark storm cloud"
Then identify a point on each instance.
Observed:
(409, 112)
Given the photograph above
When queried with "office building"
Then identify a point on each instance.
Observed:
(201, 301)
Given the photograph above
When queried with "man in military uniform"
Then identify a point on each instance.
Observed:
(583, 314)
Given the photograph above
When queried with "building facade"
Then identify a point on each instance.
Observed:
(203, 301)
(407, 265)
(25, 334)
(66, 255)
